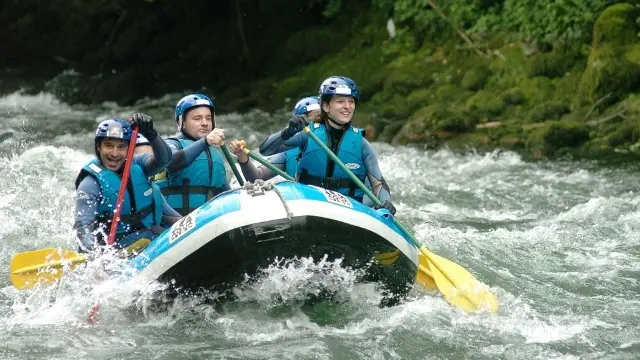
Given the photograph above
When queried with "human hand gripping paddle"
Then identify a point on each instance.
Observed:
(264, 162)
(25, 268)
(456, 284)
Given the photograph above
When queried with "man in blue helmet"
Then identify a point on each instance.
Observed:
(196, 171)
(98, 185)
(339, 96)
(306, 110)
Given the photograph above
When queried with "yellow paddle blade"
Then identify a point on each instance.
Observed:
(424, 276)
(134, 249)
(30, 268)
(388, 258)
(458, 286)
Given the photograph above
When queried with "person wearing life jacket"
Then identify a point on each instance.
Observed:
(339, 96)
(306, 110)
(142, 213)
(196, 171)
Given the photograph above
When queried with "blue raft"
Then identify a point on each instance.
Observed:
(243, 230)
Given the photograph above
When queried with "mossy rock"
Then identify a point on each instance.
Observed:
(537, 90)
(450, 94)
(513, 96)
(390, 130)
(440, 117)
(476, 78)
(403, 80)
(551, 65)
(556, 135)
(364, 66)
(433, 119)
(396, 107)
(551, 110)
(418, 99)
(511, 65)
(470, 142)
(485, 104)
(613, 67)
(626, 135)
(565, 86)
(515, 113)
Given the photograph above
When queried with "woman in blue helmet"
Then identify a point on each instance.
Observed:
(143, 210)
(338, 99)
(196, 171)
(305, 110)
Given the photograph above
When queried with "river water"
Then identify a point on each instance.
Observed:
(558, 242)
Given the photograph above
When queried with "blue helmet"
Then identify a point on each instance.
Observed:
(189, 102)
(141, 140)
(307, 104)
(339, 85)
(112, 128)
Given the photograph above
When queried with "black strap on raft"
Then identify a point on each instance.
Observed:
(185, 190)
(328, 182)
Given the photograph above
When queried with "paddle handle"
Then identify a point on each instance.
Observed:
(231, 162)
(123, 187)
(267, 164)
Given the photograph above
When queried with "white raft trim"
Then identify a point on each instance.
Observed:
(268, 207)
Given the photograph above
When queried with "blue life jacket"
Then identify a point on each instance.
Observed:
(292, 157)
(142, 211)
(197, 183)
(315, 168)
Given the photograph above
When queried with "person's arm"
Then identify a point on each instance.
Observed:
(251, 172)
(299, 141)
(181, 158)
(88, 196)
(272, 144)
(169, 214)
(374, 175)
(153, 164)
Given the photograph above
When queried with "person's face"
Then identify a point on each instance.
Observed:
(198, 122)
(340, 108)
(113, 153)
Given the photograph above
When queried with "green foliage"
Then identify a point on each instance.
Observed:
(513, 96)
(551, 110)
(565, 21)
(476, 78)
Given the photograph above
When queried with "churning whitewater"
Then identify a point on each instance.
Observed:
(558, 242)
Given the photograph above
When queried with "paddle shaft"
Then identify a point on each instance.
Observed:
(232, 163)
(123, 187)
(266, 163)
